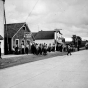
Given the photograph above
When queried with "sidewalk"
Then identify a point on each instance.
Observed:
(19, 55)
(14, 60)
(57, 72)
(9, 56)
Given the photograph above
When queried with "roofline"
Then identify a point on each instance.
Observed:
(19, 30)
(15, 23)
(47, 31)
(45, 39)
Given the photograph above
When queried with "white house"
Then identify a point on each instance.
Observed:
(48, 37)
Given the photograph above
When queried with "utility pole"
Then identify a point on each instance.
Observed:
(2, 22)
(5, 29)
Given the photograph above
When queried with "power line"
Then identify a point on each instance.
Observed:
(31, 10)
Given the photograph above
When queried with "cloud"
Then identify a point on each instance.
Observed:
(69, 15)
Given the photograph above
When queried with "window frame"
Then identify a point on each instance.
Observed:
(17, 40)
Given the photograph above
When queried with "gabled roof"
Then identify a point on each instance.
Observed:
(44, 35)
(13, 28)
(34, 33)
(1, 38)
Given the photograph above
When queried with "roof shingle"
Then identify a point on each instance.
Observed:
(12, 29)
(44, 35)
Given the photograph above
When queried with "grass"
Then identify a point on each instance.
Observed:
(14, 61)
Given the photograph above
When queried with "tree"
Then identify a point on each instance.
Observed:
(79, 40)
(76, 41)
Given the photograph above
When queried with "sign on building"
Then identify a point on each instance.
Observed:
(27, 35)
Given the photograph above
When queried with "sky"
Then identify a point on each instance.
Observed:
(69, 15)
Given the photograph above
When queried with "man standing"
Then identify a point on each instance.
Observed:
(69, 50)
(23, 48)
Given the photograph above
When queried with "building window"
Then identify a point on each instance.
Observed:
(23, 42)
(24, 28)
(17, 42)
(28, 42)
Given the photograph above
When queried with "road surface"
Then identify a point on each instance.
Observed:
(57, 72)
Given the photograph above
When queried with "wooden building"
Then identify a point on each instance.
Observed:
(15, 34)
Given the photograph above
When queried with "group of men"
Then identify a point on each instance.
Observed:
(24, 49)
(41, 49)
(38, 49)
(35, 48)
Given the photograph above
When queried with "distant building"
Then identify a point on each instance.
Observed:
(15, 34)
(47, 37)
(44, 37)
